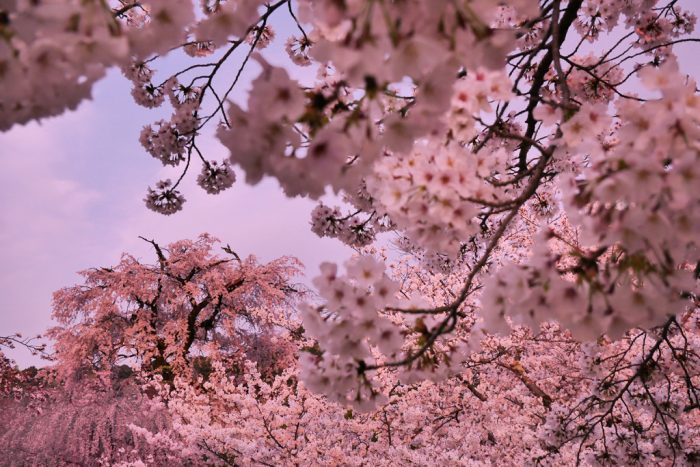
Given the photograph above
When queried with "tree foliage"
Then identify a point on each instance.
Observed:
(536, 162)
(160, 317)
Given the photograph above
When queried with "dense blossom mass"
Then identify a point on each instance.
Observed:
(191, 360)
(518, 179)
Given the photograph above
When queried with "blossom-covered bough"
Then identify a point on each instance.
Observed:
(535, 161)
(610, 418)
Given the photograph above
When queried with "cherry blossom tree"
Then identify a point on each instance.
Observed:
(237, 396)
(170, 317)
(136, 323)
(536, 161)
(531, 397)
(85, 425)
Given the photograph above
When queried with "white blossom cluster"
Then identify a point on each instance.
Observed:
(350, 229)
(431, 193)
(349, 328)
(650, 27)
(164, 142)
(164, 199)
(298, 50)
(216, 177)
(51, 53)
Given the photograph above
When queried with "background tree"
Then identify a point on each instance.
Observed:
(161, 317)
(139, 324)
